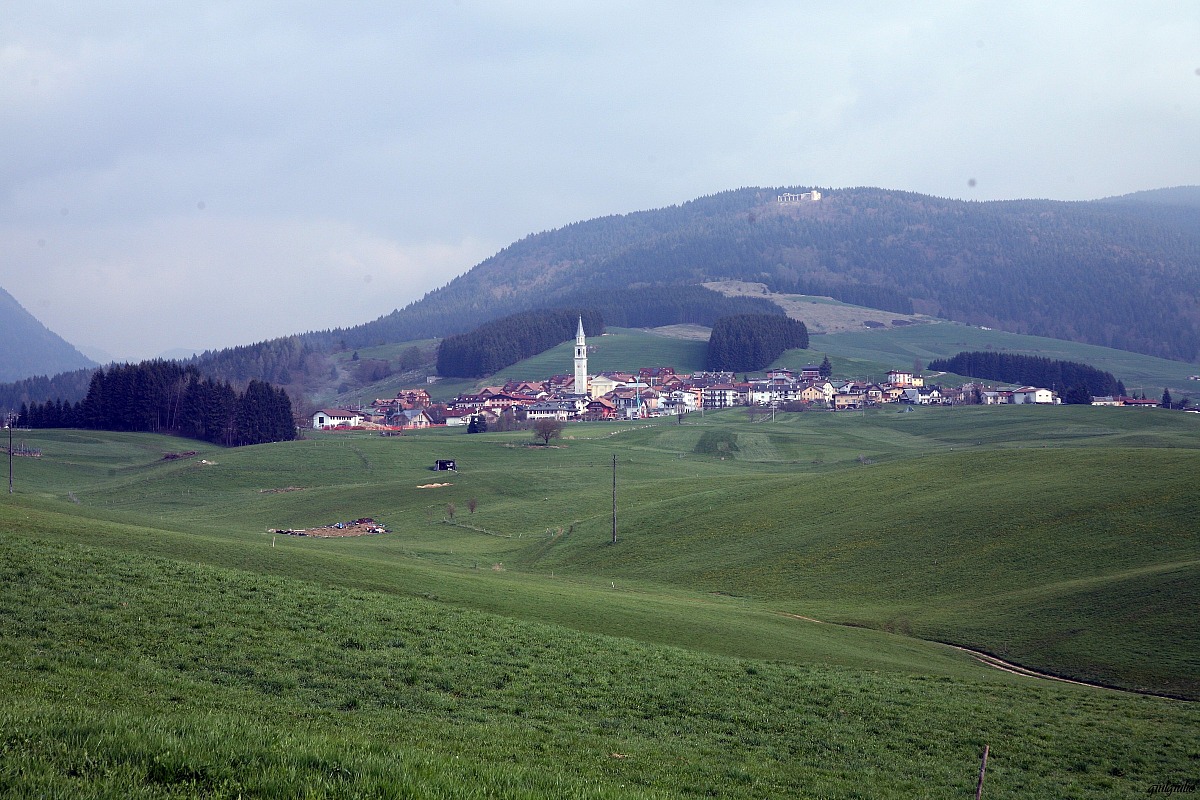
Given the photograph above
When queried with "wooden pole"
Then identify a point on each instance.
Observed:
(614, 527)
(982, 770)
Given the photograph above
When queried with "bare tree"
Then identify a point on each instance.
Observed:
(547, 429)
(450, 509)
(471, 505)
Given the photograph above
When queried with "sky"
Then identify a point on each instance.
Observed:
(204, 175)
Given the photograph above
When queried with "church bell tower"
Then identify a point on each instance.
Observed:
(581, 373)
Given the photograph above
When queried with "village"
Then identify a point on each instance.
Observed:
(661, 391)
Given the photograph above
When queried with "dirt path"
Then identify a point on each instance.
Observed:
(1007, 666)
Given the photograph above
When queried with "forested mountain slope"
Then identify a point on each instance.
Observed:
(29, 348)
(1120, 272)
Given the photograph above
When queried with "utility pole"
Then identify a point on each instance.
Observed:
(9, 418)
(614, 527)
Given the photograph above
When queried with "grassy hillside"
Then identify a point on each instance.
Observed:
(156, 639)
(620, 349)
(156, 677)
(896, 348)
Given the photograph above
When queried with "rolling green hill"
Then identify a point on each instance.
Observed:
(155, 639)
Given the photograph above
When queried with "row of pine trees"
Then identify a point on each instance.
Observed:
(1031, 371)
(502, 342)
(745, 342)
(165, 397)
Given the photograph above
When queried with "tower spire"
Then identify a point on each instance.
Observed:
(581, 373)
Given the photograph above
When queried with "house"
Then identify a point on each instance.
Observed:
(682, 400)
(899, 378)
(1033, 394)
(656, 376)
(922, 397)
(811, 372)
(722, 395)
(459, 418)
(414, 398)
(329, 418)
(600, 408)
(847, 400)
(561, 384)
(561, 410)
(762, 393)
(410, 418)
(1107, 400)
(812, 393)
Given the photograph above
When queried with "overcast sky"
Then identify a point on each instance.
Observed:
(210, 174)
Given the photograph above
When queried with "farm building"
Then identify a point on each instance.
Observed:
(328, 418)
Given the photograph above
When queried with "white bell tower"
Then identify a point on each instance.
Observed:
(581, 373)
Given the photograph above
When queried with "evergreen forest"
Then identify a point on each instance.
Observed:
(165, 397)
(752, 341)
(506, 341)
(1013, 368)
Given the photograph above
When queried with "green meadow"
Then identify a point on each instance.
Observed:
(774, 619)
(875, 352)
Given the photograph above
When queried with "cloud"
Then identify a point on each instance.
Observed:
(408, 141)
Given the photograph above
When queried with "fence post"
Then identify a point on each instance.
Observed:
(982, 770)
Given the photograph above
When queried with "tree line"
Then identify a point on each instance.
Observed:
(655, 306)
(69, 386)
(167, 397)
(503, 342)
(752, 341)
(1013, 368)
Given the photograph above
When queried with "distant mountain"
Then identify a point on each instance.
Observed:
(1173, 196)
(1121, 272)
(28, 348)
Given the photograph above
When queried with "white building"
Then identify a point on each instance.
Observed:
(804, 197)
(1032, 394)
(328, 418)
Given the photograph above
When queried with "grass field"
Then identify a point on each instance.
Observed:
(156, 640)
(897, 348)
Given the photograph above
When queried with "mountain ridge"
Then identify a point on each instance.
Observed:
(28, 348)
(1121, 272)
